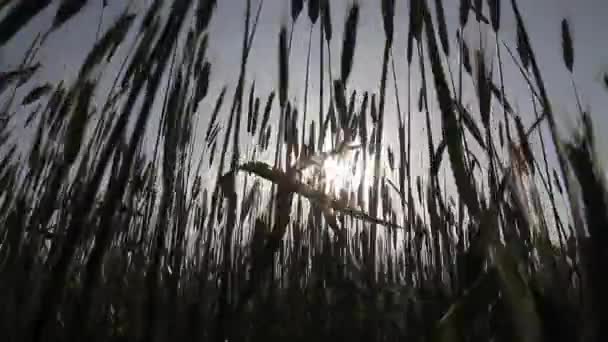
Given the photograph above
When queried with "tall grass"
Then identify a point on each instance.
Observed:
(110, 231)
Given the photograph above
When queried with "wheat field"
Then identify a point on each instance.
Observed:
(147, 198)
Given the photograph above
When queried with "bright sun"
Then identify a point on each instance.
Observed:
(339, 173)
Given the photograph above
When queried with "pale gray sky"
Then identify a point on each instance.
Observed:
(66, 48)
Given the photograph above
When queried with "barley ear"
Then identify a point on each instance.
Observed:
(296, 9)
(567, 49)
(388, 17)
(349, 42)
(494, 6)
(283, 67)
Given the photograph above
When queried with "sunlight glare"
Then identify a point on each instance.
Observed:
(341, 173)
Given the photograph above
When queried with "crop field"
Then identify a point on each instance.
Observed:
(151, 198)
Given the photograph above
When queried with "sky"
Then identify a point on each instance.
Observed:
(65, 49)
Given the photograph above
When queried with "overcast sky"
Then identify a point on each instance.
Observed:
(66, 48)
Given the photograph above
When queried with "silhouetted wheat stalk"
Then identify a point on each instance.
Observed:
(113, 229)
